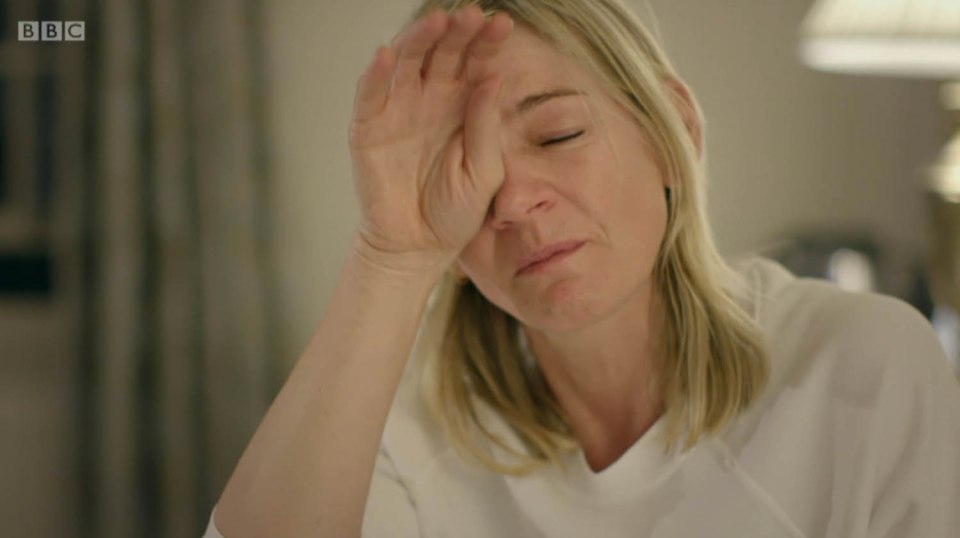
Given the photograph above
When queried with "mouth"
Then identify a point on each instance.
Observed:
(542, 258)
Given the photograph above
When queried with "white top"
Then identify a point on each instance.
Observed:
(856, 436)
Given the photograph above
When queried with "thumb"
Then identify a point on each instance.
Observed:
(481, 137)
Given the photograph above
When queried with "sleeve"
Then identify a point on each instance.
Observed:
(212, 531)
(390, 510)
(917, 435)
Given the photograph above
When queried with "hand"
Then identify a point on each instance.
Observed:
(425, 138)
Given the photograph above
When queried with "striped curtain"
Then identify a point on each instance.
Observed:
(177, 346)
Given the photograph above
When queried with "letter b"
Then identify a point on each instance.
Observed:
(51, 31)
(28, 31)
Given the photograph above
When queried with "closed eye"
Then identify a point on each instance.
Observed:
(563, 138)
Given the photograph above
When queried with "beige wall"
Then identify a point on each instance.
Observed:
(788, 148)
(317, 50)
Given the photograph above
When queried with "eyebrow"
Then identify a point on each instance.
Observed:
(536, 99)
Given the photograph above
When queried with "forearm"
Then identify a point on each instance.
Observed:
(308, 468)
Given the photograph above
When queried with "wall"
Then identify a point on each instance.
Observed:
(789, 147)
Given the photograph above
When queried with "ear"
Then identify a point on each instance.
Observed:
(687, 106)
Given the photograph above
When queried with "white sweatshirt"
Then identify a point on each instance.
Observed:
(856, 436)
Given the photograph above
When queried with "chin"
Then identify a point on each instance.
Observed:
(568, 306)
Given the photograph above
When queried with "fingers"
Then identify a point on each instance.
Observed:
(486, 45)
(446, 58)
(448, 43)
(481, 136)
(412, 45)
(374, 85)
(440, 45)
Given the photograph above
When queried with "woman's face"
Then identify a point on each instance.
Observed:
(579, 172)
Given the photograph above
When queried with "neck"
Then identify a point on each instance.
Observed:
(601, 376)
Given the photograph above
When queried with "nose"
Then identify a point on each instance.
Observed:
(522, 196)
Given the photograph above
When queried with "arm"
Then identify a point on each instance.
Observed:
(389, 510)
(308, 467)
(426, 159)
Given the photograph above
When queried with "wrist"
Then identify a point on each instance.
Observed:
(404, 269)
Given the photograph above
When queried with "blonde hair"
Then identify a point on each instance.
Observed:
(715, 360)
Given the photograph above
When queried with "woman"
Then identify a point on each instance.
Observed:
(589, 366)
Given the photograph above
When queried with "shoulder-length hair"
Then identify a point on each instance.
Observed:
(715, 362)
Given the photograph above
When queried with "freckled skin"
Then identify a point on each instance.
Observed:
(604, 186)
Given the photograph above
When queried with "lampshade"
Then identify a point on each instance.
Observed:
(885, 37)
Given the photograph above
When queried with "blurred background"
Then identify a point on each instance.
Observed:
(176, 202)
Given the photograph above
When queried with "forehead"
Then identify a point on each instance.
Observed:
(530, 64)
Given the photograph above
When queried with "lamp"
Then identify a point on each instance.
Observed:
(885, 37)
(905, 38)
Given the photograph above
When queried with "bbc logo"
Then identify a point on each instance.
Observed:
(51, 31)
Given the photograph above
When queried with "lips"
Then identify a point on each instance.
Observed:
(539, 257)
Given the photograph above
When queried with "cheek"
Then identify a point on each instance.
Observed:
(475, 259)
(477, 262)
(589, 179)
(638, 209)
(642, 212)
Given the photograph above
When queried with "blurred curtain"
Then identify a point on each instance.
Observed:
(177, 342)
